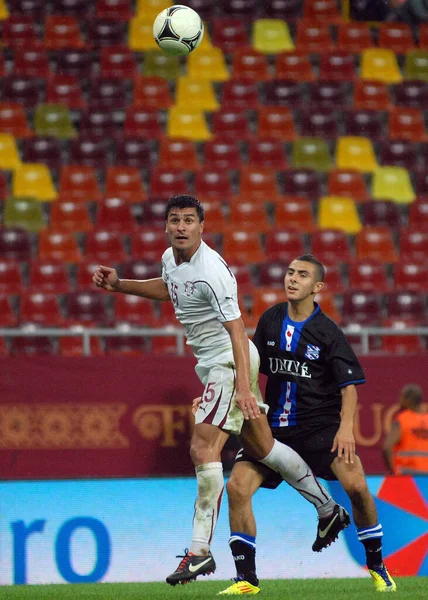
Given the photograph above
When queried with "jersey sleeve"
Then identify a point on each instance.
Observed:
(344, 363)
(221, 291)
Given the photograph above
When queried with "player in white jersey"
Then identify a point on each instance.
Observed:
(204, 293)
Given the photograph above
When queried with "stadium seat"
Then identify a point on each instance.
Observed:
(311, 153)
(188, 124)
(160, 64)
(140, 268)
(114, 9)
(33, 180)
(369, 276)
(154, 213)
(140, 37)
(166, 182)
(73, 346)
(54, 120)
(416, 65)
(118, 62)
(70, 216)
(49, 276)
(105, 246)
(418, 214)
(79, 183)
(392, 183)
(213, 183)
(208, 64)
(423, 35)
(294, 66)
(338, 65)
(381, 213)
(125, 345)
(24, 212)
(265, 152)
(152, 93)
(282, 245)
(397, 37)
(134, 310)
(43, 149)
(101, 32)
(355, 152)
(303, 182)
(411, 277)
(243, 276)
(250, 64)
(421, 183)
(294, 212)
(167, 316)
(354, 37)
(99, 123)
(74, 62)
(84, 273)
(87, 308)
(329, 94)
(58, 245)
(204, 8)
(271, 36)
(237, 8)
(327, 302)
(348, 182)
(4, 187)
(20, 30)
(13, 120)
(319, 122)
(9, 155)
(109, 93)
(27, 91)
(413, 245)
(240, 94)
(367, 123)
(114, 214)
(232, 124)
(135, 152)
(11, 281)
(78, 8)
(65, 91)
(7, 314)
(31, 62)
(264, 298)
(399, 153)
(222, 153)
(258, 184)
(143, 123)
(32, 346)
(62, 31)
(276, 123)
(15, 244)
(90, 152)
(149, 244)
(401, 344)
(289, 10)
(412, 94)
(407, 305)
(283, 92)
(314, 37)
(178, 154)
(380, 64)
(333, 280)
(337, 212)
(407, 124)
(371, 95)
(363, 307)
(124, 182)
(40, 308)
(249, 215)
(331, 247)
(243, 246)
(230, 33)
(376, 243)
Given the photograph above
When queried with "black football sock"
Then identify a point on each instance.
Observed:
(244, 556)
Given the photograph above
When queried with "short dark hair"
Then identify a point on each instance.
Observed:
(413, 392)
(185, 201)
(311, 259)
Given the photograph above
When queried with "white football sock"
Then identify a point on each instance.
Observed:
(207, 506)
(296, 473)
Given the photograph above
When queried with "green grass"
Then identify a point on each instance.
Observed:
(413, 588)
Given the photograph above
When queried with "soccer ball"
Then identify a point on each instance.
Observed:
(178, 30)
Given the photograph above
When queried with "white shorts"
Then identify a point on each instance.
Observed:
(218, 405)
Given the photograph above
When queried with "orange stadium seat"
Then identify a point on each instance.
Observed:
(11, 281)
(354, 37)
(331, 247)
(401, 344)
(178, 154)
(250, 64)
(249, 215)
(13, 120)
(70, 216)
(295, 212)
(243, 246)
(258, 184)
(148, 244)
(105, 246)
(62, 31)
(407, 124)
(264, 298)
(49, 276)
(343, 182)
(371, 95)
(397, 37)
(368, 275)
(58, 245)
(79, 183)
(40, 308)
(134, 310)
(376, 243)
(124, 182)
(215, 221)
(283, 245)
(295, 66)
(276, 122)
(165, 182)
(314, 37)
(411, 277)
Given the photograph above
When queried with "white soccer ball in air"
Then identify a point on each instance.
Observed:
(178, 30)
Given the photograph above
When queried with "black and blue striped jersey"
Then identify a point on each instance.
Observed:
(306, 364)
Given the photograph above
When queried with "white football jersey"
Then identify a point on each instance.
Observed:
(204, 293)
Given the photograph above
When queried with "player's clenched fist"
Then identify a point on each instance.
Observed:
(106, 278)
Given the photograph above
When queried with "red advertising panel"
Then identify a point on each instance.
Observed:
(112, 417)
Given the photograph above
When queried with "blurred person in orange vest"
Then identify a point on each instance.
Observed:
(405, 449)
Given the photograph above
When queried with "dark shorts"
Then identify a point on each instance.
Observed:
(314, 446)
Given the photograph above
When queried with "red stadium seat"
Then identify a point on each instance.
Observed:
(243, 246)
(134, 152)
(258, 184)
(165, 182)
(73, 346)
(371, 95)
(326, 11)
(362, 307)
(294, 66)
(105, 246)
(62, 31)
(118, 61)
(148, 244)
(65, 89)
(250, 64)
(11, 281)
(84, 274)
(41, 308)
(376, 243)
(134, 310)
(331, 247)
(114, 9)
(276, 122)
(215, 221)
(338, 65)
(401, 344)
(30, 62)
(213, 183)
(49, 277)
(314, 37)
(333, 281)
(251, 215)
(13, 120)
(125, 345)
(232, 124)
(124, 182)
(15, 244)
(377, 213)
(178, 154)
(143, 122)
(303, 182)
(411, 277)
(87, 308)
(79, 183)
(140, 269)
(152, 93)
(397, 37)
(283, 245)
(407, 124)
(154, 213)
(418, 214)
(407, 305)
(266, 152)
(349, 183)
(295, 212)
(368, 275)
(7, 314)
(19, 31)
(272, 274)
(114, 214)
(230, 33)
(354, 37)
(31, 346)
(240, 94)
(57, 245)
(413, 245)
(222, 153)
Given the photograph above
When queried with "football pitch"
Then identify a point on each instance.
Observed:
(413, 588)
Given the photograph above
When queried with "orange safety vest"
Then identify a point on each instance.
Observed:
(411, 453)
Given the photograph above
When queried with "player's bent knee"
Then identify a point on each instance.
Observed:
(237, 491)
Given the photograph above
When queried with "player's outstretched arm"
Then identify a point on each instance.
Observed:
(241, 354)
(108, 279)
